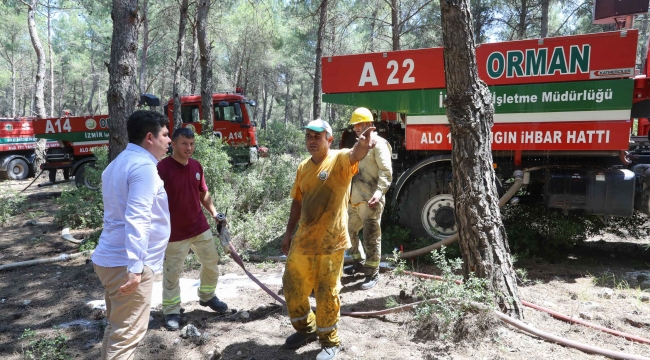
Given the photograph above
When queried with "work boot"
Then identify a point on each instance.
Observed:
(370, 282)
(350, 270)
(297, 340)
(328, 353)
(215, 304)
(172, 321)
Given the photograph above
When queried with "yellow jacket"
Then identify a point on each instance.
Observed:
(375, 173)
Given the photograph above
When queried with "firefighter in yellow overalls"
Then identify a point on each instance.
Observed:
(315, 253)
(367, 200)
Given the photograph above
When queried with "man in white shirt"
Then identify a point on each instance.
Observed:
(136, 230)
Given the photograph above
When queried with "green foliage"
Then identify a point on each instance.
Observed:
(11, 203)
(44, 348)
(283, 139)
(450, 295)
(82, 207)
(534, 230)
(91, 242)
(256, 197)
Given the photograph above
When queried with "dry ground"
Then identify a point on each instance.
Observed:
(44, 297)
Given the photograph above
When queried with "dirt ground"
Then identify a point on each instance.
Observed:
(45, 298)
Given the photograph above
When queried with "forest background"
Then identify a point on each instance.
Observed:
(267, 47)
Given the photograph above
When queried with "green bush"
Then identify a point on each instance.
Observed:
(255, 197)
(44, 348)
(449, 299)
(82, 207)
(11, 203)
(534, 230)
(283, 139)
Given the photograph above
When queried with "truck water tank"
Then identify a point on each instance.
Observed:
(596, 191)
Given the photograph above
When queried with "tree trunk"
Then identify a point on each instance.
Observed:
(122, 94)
(268, 116)
(180, 48)
(13, 90)
(265, 98)
(51, 54)
(482, 237)
(521, 27)
(194, 60)
(544, 25)
(62, 90)
(287, 98)
(39, 83)
(203, 9)
(300, 120)
(95, 85)
(373, 21)
(394, 21)
(318, 77)
(145, 47)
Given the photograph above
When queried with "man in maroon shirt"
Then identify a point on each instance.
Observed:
(186, 191)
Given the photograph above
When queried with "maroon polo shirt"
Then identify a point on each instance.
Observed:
(183, 184)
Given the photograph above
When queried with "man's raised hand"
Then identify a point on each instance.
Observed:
(366, 140)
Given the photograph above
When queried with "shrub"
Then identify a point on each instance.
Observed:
(256, 198)
(82, 207)
(283, 139)
(11, 203)
(45, 347)
(440, 317)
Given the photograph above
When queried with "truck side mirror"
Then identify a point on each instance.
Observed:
(239, 118)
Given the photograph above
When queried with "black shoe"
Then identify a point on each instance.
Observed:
(297, 340)
(215, 304)
(350, 270)
(328, 353)
(369, 282)
(172, 321)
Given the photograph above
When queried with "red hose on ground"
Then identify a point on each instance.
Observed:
(563, 317)
(555, 314)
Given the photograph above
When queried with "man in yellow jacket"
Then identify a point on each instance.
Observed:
(315, 253)
(367, 200)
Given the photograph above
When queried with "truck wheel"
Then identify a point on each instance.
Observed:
(80, 178)
(427, 206)
(18, 169)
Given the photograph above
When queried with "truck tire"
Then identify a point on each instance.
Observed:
(18, 169)
(427, 207)
(80, 178)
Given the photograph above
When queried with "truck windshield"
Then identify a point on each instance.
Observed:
(190, 114)
(250, 111)
(227, 112)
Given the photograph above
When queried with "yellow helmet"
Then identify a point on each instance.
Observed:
(361, 115)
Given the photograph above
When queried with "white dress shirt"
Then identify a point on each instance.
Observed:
(136, 213)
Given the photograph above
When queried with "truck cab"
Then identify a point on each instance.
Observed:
(233, 119)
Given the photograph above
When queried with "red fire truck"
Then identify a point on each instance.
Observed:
(17, 148)
(564, 110)
(80, 134)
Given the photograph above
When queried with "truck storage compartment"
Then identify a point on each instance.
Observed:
(596, 191)
(642, 196)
